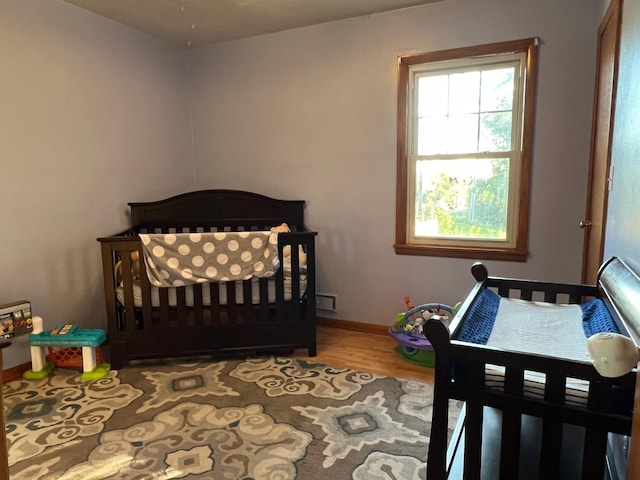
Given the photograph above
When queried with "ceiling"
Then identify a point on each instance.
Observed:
(197, 23)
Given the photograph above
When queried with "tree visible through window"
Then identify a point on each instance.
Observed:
(464, 150)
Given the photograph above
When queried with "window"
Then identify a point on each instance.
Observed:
(465, 133)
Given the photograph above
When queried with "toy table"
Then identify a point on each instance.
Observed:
(65, 336)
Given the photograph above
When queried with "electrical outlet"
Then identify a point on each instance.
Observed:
(326, 301)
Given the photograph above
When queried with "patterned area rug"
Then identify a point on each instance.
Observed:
(271, 418)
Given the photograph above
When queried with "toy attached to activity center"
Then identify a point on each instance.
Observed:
(407, 331)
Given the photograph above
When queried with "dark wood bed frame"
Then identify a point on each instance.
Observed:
(166, 330)
(494, 437)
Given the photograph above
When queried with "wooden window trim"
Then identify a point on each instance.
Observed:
(520, 252)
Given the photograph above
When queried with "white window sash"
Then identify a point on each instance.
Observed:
(518, 60)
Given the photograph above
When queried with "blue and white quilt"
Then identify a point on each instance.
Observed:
(557, 330)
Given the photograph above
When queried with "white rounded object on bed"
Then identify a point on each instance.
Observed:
(612, 354)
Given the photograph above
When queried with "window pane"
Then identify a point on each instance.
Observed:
(497, 89)
(495, 132)
(433, 94)
(464, 198)
(463, 134)
(432, 135)
(464, 92)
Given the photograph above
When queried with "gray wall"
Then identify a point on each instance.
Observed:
(623, 222)
(93, 115)
(311, 114)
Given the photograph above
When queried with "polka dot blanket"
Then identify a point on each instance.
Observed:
(178, 259)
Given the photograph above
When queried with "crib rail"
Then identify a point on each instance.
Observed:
(597, 417)
(217, 206)
(147, 322)
(564, 428)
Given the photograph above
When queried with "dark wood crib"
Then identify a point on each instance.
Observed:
(509, 434)
(258, 315)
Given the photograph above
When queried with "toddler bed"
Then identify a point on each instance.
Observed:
(249, 285)
(535, 407)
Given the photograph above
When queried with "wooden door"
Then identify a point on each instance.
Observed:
(601, 134)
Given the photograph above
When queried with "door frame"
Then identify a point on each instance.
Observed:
(593, 244)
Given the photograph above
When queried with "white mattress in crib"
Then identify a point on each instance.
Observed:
(549, 329)
(206, 294)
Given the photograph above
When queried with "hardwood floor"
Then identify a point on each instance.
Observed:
(369, 352)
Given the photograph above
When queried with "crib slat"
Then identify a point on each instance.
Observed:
(127, 283)
(514, 380)
(263, 288)
(198, 312)
(576, 298)
(473, 425)
(554, 392)
(145, 291)
(555, 388)
(295, 280)
(598, 395)
(147, 307)
(163, 293)
(595, 442)
(526, 294)
(594, 457)
(510, 444)
(232, 309)
(551, 449)
(473, 441)
(214, 304)
(280, 288)
(503, 291)
(247, 294)
(181, 307)
(511, 425)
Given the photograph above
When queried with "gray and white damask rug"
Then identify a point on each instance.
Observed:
(268, 418)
